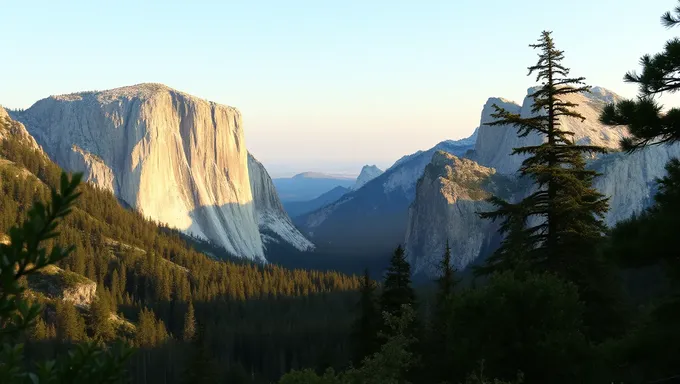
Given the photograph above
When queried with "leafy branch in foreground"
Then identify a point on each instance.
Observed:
(24, 255)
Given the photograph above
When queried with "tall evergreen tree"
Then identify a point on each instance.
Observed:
(201, 366)
(397, 294)
(99, 317)
(70, 325)
(189, 330)
(557, 227)
(438, 363)
(397, 290)
(146, 331)
(366, 326)
(446, 281)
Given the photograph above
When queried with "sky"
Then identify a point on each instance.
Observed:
(324, 85)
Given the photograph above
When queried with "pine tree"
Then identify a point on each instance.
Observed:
(70, 325)
(644, 118)
(146, 335)
(557, 227)
(366, 326)
(438, 339)
(397, 290)
(99, 318)
(201, 366)
(446, 281)
(40, 331)
(189, 330)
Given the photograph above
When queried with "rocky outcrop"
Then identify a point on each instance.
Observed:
(448, 196)
(176, 158)
(272, 218)
(9, 126)
(494, 144)
(56, 283)
(368, 173)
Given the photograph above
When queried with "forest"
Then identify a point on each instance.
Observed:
(564, 299)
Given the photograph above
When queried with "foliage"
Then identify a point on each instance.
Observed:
(295, 318)
(649, 350)
(397, 290)
(25, 255)
(439, 340)
(531, 324)
(202, 367)
(387, 366)
(100, 312)
(69, 323)
(365, 328)
(189, 330)
(647, 123)
(557, 227)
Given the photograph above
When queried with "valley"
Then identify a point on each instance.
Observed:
(339, 194)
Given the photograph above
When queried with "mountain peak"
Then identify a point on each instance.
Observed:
(368, 173)
(494, 145)
(137, 91)
(596, 93)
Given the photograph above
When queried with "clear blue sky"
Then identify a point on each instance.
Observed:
(323, 85)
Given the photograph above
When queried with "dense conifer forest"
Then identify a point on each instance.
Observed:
(563, 300)
(254, 321)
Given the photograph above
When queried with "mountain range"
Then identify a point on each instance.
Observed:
(309, 185)
(183, 161)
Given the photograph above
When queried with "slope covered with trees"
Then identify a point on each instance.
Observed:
(258, 320)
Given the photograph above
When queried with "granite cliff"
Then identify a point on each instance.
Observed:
(444, 209)
(178, 159)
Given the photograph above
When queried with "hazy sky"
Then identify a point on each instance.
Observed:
(323, 85)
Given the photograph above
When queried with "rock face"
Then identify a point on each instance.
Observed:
(176, 158)
(57, 283)
(494, 144)
(272, 218)
(448, 195)
(443, 210)
(368, 173)
(629, 180)
(8, 127)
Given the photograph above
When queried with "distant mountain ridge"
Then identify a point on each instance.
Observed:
(322, 175)
(298, 208)
(372, 220)
(309, 186)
